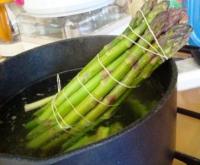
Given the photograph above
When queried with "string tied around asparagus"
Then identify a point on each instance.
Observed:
(162, 55)
(59, 119)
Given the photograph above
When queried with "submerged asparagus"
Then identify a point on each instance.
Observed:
(138, 64)
(101, 133)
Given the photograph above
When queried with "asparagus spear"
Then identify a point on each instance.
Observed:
(80, 94)
(148, 37)
(101, 108)
(92, 68)
(64, 109)
(81, 126)
(101, 133)
(156, 61)
(136, 58)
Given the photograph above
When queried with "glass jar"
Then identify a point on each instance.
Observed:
(90, 22)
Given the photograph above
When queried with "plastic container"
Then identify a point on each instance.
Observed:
(90, 22)
(39, 22)
(193, 10)
(39, 27)
(52, 8)
(68, 19)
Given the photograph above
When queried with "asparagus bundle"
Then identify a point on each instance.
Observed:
(95, 93)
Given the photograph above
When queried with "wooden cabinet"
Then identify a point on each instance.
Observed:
(188, 129)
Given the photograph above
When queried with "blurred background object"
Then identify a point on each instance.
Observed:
(35, 22)
(193, 10)
(5, 28)
(176, 3)
(134, 5)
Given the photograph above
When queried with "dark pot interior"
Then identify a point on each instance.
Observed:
(149, 141)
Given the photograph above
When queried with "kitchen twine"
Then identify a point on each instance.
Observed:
(163, 56)
(56, 114)
(65, 126)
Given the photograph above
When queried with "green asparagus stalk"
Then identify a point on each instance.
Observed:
(101, 108)
(102, 133)
(178, 40)
(136, 106)
(135, 53)
(111, 54)
(138, 109)
(115, 128)
(158, 61)
(139, 65)
(82, 142)
(37, 104)
(81, 126)
(64, 110)
(135, 22)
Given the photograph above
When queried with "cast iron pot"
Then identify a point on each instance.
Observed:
(150, 141)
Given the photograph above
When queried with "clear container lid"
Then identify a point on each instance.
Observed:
(52, 8)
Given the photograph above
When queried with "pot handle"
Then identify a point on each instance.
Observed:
(189, 160)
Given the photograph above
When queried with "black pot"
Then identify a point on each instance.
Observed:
(150, 141)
